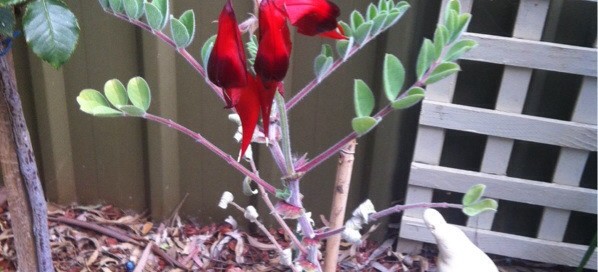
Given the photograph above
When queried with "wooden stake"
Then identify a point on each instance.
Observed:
(339, 203)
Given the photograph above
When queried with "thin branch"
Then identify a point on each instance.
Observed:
(95, 227)
(400, 208)
(209, 145)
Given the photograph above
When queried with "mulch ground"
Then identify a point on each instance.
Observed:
(105, 238)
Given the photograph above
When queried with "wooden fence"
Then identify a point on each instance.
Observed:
(509, 124)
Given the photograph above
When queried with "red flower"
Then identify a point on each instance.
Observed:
(248, 108)
(226, 66)
(274, 50)
(313, 17)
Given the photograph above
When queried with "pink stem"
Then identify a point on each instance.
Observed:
(400, 208)
(209, 145)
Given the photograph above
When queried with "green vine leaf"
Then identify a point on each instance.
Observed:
(393, 75)
(474, 194)
(206, 50)
(480, 207)
(139, 93)
(133, 8)
(362, 125)
(51, 30)
(116, 5)
(116, 93)
(442, 71)
(414, 96)
(364, 99)
(94, 103)
(425, 58)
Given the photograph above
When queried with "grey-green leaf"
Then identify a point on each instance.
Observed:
(378, 22)
(442, 71)
(139, 93)
(116, 93)
(462, 22)
(362, 125)
(440, 39)
(346, 28)
(343, 47)
(372, 12)
(7, 21)
(322, 65)
(414, 96)
(116, 5)
(188, 20)
(364, 98)
(154, 16)
(425, 58)
(393, 76)
(326, 50)
(459, 48)
(356, 19)
(51, 30)
(133, 8)
(480, 207)
(206, 50)
(180, 36)
(132, 110)
(4, 3)
(363, 32)
(474, 194)
(105, 4)
(395, 14)
(94, 103)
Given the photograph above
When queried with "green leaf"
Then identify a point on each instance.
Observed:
(414, 96)
(4, 3)
(364, 99)
(382, 5)
(326, 50)
(474, 194)
(395, 14)
(283, 194)
(116, 5)
(322, 65)
(51, 30)
(346, 28)
(480, 207)
(462, 23)
(251, 46)
(180, 36)
(356, 19)
(7, 21)
(425, 58)
(133, 8)
(188, 20)
(206, 50)
(393, 75)
(362, 125)
(94, 103)
(440, 39)
(343, 47)
(372, 12)
(155, 18)
(458, 49)
(164, 7)
(442, 71)
(451, 21)
(132, 110)
(378, 22)
(139, 93)
(454, 5)
(116, 93)
(363, 32)
(104, 3)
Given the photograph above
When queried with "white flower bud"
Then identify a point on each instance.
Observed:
(251, 213)
(287, 257)
(227, 197)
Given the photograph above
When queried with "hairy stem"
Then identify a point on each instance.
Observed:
(400, 208)
(286, 138)
(209, 145)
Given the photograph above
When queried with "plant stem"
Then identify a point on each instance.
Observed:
(339, 203)
(209, 145)
(286, 137)
(400, 208)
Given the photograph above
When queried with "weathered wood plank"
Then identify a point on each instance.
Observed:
(533, 54)
(508, 244)
(507, 188)
(509, 125)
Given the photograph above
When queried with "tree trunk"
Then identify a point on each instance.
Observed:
(26, 198)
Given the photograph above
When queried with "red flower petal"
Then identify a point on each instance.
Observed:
(248, 108)
(274, 50)
(226, 66)
(312, 17)
(266, 97)
(337, 34)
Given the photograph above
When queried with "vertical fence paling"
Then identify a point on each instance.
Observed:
(529, 25)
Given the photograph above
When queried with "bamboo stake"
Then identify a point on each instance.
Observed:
(339, 203)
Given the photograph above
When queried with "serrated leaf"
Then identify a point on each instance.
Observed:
(474, 194)
(116, 93)
(180, 36)
(346, 28)
(139, 93)
(326, 50)
(133, 8)
(153, 15)
(393, 76)
(116, 5)
(362, 125)
(94, 103)
(480, 207)
(356, 19)
(364, 98)
(132, 110)
(425, 58)
(414, 96)
(7, 21)
(372, 12)
(206, 50)
(4, 3)
(442, 71)
(440, 39)
(322, 65)
(51, 30)
(363, 32)
(459, 48)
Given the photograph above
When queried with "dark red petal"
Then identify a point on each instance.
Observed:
(337, 34)
(274, 50)
(226, 66)
(248, 108)
(266, 97)
(312, 17)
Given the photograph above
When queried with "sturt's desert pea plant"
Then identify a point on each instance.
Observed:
(245, 65)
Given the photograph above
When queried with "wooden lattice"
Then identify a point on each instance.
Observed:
(577, 138)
